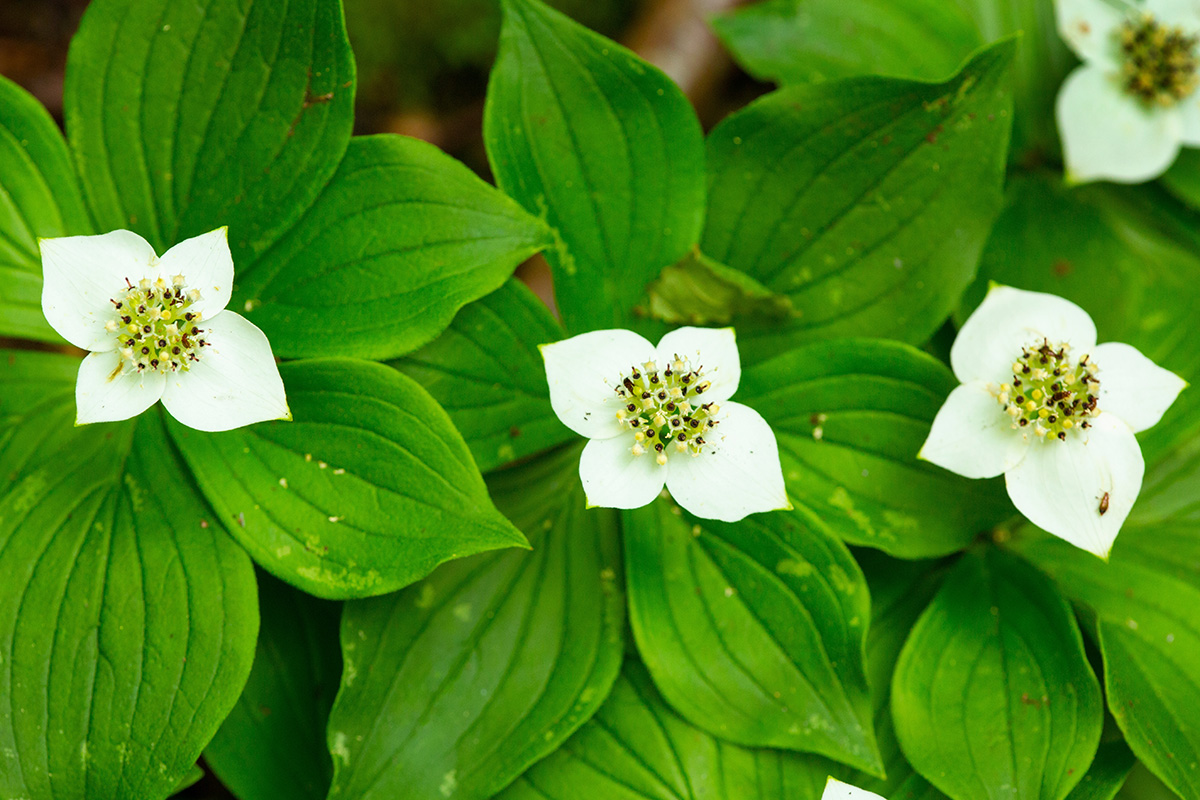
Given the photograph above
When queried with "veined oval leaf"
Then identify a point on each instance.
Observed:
(637, 748)
(1142, 605)
(456, 685)
(367, 491)
(401, 238)
(185, 115)
(488, 374)
(850, 416)
(753, 631)
(992, 695)
(127, 619)
(605, 148)
(800, 41)
(272, 745)
(39, 198)
(866, 201)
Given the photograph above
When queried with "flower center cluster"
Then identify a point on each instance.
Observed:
(1159, 62)
(1051, 393)
(664, 408)
(156, 327)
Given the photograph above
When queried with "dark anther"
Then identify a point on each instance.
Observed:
(1022, 422)
(162, 342)
(1025, 369)
(631, 407)
(1052, 419)
(1062, 435)
(659, 447)
(694, 423)
(662, 395)
(628, 383)
(650, 432)
(146, 329)
(175, 350)
(1020, 399)
(145, 351)
(154, 362)
(636, 375)
(127, 319)
(670, 406)
(633, 423)
(682, 437)
(654, 378)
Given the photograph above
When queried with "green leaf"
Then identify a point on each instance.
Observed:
(272, 745)
(1142, 607)
(488, 374)
(1053, 239)
(900, 592)
(605, 148)
(190, 779)
(1042, 63)
(29, 377)
(637, 748)
(753, 631)
(1108, 772)
(700, 291)
(1183, 178)
(801, 41)
(39, 198)
(127, 619)
(367, 491)
(185, 115)
(455, 686)
(866, 201)
(993, 696)
(850, 417)
(400, 239)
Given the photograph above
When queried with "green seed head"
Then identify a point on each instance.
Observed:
(1052, 393)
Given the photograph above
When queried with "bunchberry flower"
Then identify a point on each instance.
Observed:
(157, 329)
(836, 790)
(660, 416)
(1042, 403)
(1124, 113)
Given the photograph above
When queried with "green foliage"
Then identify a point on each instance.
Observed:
(605, 148)
(486, 371)
(400, 238)
(39, 197)
(700, 291)
(366, 492)
(865, 201)
(850, 416)
(272, 744)
(992, 695)
(457, 684)
(186, 115)
(753, 632)
(126, 616)
(803, 41)
(637, 748)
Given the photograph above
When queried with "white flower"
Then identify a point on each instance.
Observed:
(659, 416)
(157, 329)
(1124, 113)
(1042, 403)
(836, 790)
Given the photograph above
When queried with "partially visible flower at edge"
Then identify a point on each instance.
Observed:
(1053, 411)
(660, 416)
(1124, 114)
(157, 329)
(836, 790)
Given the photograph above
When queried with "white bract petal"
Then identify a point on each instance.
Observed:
(157, 323)
(1090, 28)
(658, 415)
(1010, 319)
(738, 473)
(972, 436)
(712, 349)
(585, 372)
(235, 383)
(1083, 488)
(1112, 135)
(207, 265)
(103, 393)
(613, 477)
(81, 276)
(1132, 387)
(836, 790)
